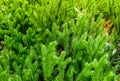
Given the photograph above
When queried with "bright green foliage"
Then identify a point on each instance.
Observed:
(50, 59)
(91, 58)
(57, 40)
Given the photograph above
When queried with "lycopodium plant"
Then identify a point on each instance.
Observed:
(57, 40)
(56, 65)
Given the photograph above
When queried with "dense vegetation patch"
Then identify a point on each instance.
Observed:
(59, 40)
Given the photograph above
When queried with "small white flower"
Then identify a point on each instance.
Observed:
(108, 44)
(114, 51)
